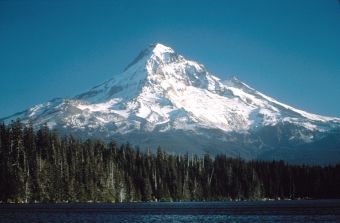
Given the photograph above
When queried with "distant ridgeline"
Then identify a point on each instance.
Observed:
(40, 166)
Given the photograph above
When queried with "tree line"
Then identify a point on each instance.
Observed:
(41, 166)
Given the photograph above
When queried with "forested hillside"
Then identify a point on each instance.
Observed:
(42, 166)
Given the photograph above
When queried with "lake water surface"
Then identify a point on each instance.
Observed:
(202, 212)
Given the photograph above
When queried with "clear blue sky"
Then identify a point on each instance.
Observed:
(287, 49)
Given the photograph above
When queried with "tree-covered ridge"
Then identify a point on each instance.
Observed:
(42, 166)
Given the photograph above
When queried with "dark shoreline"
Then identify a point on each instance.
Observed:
(282, 207)
(167, 201)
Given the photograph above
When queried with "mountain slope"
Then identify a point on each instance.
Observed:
(162, 98)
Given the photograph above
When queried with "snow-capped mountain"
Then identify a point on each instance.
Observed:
(163, 99)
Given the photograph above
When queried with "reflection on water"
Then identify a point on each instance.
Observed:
(203, 212)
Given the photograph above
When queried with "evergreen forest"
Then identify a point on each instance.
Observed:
(42, 166)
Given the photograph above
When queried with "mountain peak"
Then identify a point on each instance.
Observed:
(162, 53)
(158, 48)
(156, 51)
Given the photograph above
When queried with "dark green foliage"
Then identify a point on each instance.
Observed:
(41, 166)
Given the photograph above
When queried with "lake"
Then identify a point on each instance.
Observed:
(203, 212)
